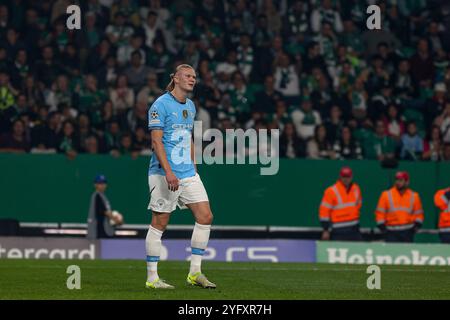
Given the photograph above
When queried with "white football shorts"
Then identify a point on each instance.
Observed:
(190, 190)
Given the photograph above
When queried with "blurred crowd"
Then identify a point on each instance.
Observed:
(310, 68)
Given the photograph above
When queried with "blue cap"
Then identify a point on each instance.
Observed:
(100, 178)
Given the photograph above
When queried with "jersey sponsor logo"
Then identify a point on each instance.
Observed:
(182, 126)
(155, 121)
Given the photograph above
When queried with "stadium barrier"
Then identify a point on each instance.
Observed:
(52, 188)
(231, 250)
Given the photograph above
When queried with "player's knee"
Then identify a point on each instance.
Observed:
(205, 219)
(159, 226)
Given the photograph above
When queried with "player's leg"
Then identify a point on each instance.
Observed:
(194, 196)
(153, 243)
(199, 241)
(162, 203)
(200, 236)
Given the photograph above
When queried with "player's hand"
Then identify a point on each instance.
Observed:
(172, 181)
(325, 235)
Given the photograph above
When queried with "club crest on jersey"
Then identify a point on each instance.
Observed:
(185, 114)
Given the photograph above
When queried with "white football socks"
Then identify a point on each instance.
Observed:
(199, 242)
(153, 249)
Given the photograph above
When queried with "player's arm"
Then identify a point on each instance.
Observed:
(193, 153)
(418, 212)
(158, 148)
(381, 211)
(325, 209)
(440, 200)
(360, 199)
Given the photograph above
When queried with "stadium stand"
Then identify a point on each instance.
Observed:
(311, 66)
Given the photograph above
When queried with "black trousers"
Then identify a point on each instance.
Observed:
(445, 237)
(400, 236)
(346, 234)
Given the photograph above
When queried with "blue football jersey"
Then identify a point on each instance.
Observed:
(176, 120)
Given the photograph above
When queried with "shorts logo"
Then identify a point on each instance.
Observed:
(160, 203)
(185, 114)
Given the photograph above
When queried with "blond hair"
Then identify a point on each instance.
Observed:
(171, 84)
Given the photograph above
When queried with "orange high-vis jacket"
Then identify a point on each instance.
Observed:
(340, 207)
(399, 212)
(443, 204)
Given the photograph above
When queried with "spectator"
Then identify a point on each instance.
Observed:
(347, 148)
(47, 69)
(124, 52)
(30, 89)
(319, 147)
(119, 33)
(446, 152)
(402, 81)
(177, 35)
(137, 116)
(90, 97)
(13, 42)
(436, 105)
(241, 98)
(122, 96)
(433, 145)
(90, 34)
(334, 123)
(160, 59)
(412, 143)
(296, 20)
(273, 17)
(141, 141)
(306, 119)
(151, 28)
(245, 55)
(162, 13)
(59, 93)
(137, 72)
(423, 63)
(45, 136)
(379, 146)
(265, 99)
(151, 91)
(84, 129)
(67, 140)
(393, 122)
(286, 78)
(70, 60)
(7, 92)
(20, 69)
(291, 146)
(443, 121)
(15, 141)
(326, 13)
(98, 56)
(91, 145)
(107, 75)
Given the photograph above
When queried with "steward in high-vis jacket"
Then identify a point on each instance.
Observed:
(442, 201)
(399, 212)
(340, 209)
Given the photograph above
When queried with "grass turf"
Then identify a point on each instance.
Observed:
(124, 279)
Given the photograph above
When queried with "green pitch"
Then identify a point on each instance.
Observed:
(125, 279)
